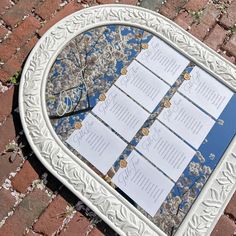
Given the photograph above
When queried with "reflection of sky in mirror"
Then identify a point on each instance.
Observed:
(86, 68)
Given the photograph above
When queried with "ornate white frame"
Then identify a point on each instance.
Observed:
(73, 173)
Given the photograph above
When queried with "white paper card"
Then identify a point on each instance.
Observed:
(142, 182)
(97, 143)
(121, 113)
(143, 86)
(206, 92)
(163, 60)
(165, 150)
(187, 120)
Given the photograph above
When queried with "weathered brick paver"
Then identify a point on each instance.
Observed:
(6, 197)
(24, 178)
(55, 214)
(28, 210)
(39, 205)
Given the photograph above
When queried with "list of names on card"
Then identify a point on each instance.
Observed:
(121, 113)
(142, 182)
(187, 120)
(143, 86)
(205, 91)
(165, 150)
(97, 143)
(163, 60)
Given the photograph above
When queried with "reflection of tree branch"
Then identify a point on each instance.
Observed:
(71, 113)
(65, 90)
(183, 194)
(79, 62)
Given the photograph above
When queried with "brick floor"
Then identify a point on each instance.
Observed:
(39, 205)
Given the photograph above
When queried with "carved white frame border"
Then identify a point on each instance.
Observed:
(73, 173)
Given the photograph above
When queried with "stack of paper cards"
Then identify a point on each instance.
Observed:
(163, 60)
(161, 156)
(97, 143)
(143, 86)
(165, 150)
(121, 113)
(205, 91)
(187, 120)
(142, 182)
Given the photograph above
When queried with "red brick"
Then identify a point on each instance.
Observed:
(199, 30)
(7, 202)
(29, 45)
(48, 7)
(26, 29)
(216, 37)
(24, 178)
(184, 20)
(78, 224)
(8, 133)
(3, 32)
(207, 21)
(231, 45)
(7, 50)
(171, 8)
(67, 10)
(96, 232)
(28, 210)
(18, 11)
(2, 119)
(52, 218)
(4, 76)
(231, 207)
(229, 18)
(210, 15)
(18, 37)
(6, 102)
(169, 11)
(7, 166)
(4, 4)
(177, 4)
(196, 5)
(32, 233)
(225, 226)
(12, 66)
(105, 1)
(130, 2)
(21, 55)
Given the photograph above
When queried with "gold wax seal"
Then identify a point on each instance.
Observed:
(145, 131)
(124, 71)
(123, 163)
(187, 76)
(102, 97)
(167, 103)
(78, 125)
(144, 46)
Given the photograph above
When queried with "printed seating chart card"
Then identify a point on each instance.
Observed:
(142, 116)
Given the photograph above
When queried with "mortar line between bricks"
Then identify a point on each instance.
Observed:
(5, 24)
(17, 50)
(209, 32)
(12, 3)
(41, 20)
(231, 217)
(222, 25)
(227, 52)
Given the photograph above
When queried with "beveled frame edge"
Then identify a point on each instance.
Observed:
(99, 196)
